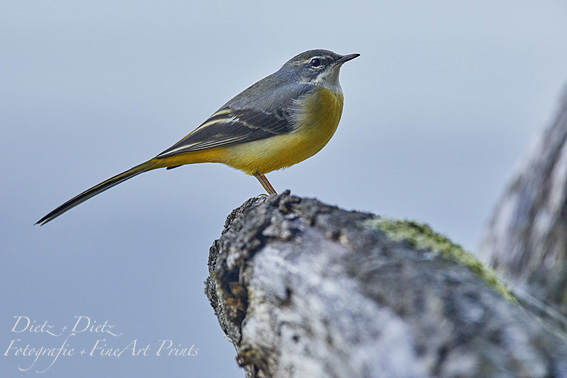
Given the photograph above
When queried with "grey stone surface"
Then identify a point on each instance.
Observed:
(303, 289)
(526, 241)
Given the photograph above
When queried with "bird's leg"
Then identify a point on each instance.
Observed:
(265, 183)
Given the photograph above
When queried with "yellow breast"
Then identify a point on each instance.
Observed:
(317, 121)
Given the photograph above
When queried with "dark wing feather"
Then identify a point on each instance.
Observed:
(257, 113)
(238, 127)
(228, 127)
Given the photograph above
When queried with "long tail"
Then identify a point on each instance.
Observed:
(141, 168)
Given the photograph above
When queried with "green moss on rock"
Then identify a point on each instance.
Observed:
(421, 236)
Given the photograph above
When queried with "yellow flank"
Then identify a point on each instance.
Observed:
(317, 120)
(211, 155)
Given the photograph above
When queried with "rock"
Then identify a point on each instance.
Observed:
(303, 289)
(526, 241)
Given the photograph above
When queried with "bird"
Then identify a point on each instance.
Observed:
(275, 123)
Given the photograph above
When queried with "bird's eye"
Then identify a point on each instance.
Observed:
(315, 62)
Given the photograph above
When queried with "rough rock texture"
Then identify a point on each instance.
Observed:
(526, 241)
(303, 289)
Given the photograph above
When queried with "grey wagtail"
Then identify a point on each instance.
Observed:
(281, 120)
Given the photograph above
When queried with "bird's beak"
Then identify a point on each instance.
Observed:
(346, 58)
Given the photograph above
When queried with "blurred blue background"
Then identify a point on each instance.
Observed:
(443, 102)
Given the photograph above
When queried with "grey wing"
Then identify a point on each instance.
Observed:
(234, 125)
